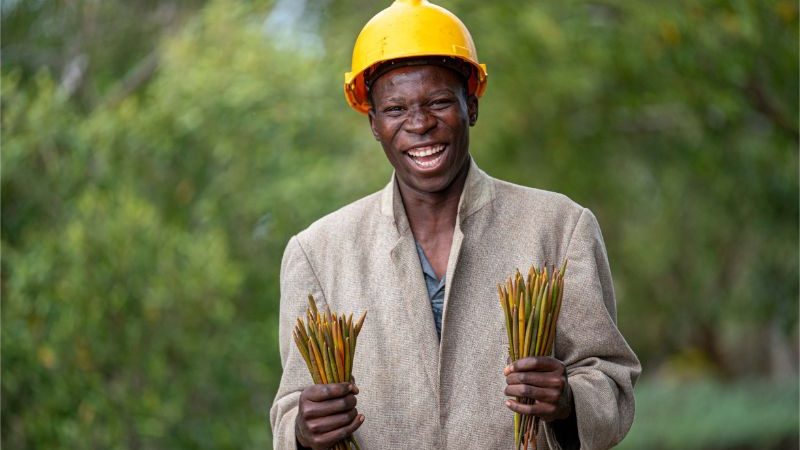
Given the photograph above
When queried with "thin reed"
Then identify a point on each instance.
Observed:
(328, 345)
(531, 306)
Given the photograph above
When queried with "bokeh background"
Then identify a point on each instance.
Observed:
(157, 156)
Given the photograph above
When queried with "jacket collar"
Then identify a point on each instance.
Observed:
(478, 192)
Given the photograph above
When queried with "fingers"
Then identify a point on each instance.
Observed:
(330, 438)
(539, 383)
(553, 380)
(534, 363)
(321, 400)
(311, 409)
(329, 423)
(534, 393)
(321, 392)
(540, 409)
(327, 414)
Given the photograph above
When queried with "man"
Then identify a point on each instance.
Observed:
(424, 256)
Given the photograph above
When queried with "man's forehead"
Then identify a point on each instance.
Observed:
(459, 67)
(442, 79)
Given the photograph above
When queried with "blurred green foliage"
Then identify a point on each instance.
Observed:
(750, 413)
(158, 155)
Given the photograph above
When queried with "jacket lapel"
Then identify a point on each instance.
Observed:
(478, 192)
(410, 287)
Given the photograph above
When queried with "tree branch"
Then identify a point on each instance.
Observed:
(132, 81)
(764, 104)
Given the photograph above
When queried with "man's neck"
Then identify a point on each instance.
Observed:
(433, 213)
(432, 218)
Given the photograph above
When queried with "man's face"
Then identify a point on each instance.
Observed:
(421, 116)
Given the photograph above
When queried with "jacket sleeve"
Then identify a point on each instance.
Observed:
(297, 281)
(601, 367)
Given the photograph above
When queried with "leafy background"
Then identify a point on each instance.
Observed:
(157, 156)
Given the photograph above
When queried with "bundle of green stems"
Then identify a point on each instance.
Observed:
(328, 345)
(531, 305)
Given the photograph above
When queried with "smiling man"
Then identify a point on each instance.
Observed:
(424, 256)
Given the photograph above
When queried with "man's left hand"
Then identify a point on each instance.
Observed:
(542, 379)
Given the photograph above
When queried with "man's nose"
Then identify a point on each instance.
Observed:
(419, 121)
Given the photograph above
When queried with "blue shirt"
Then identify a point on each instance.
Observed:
(435, 289)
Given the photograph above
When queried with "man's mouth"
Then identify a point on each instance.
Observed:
(428, 156)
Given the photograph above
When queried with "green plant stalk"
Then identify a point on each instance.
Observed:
(521, 326)
(506, 314)
(315, 373)
(515, 332)
(317, 350)
(528, 334)
(352, 349)
(348, 361)
(327, 343)
(531, 307)
(542, 317)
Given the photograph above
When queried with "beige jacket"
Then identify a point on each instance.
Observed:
(419, 393)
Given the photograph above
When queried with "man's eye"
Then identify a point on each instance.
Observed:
(441, 103)
(393, 109)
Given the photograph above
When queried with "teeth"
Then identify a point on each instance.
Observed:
(426, 151)
(427, 163)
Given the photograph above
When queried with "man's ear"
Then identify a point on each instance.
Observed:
(371, 115)
(472, 110)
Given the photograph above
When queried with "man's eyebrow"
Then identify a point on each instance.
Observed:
(401, 99)
(442, 91)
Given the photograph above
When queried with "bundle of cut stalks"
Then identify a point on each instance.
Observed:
(531, 306)
(328, 345)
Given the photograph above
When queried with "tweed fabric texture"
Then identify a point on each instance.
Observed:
(418, 392)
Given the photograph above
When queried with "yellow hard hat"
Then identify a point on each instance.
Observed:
(410, 28)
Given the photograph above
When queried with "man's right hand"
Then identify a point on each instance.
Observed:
(326, 415)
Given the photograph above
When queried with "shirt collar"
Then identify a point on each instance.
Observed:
(427, 269)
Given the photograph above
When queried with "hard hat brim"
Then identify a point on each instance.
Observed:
(357, 93)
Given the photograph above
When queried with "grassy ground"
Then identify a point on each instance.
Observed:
(752, 414)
